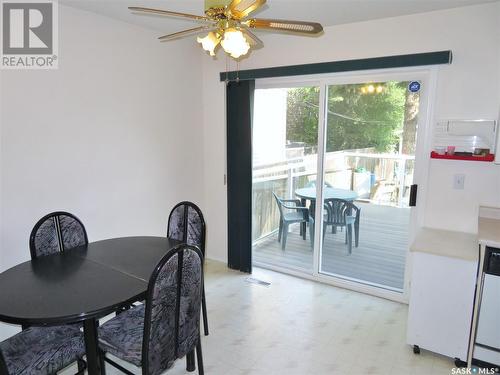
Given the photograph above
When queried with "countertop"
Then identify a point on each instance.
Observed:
(489, 232)
(447, 243)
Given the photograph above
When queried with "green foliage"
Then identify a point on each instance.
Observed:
(355, 119)
(302, 115)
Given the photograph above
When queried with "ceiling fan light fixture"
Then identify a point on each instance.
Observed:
(210, 42)
(229, 26)
(235, 43)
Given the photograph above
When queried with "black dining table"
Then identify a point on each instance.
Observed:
(81, 285)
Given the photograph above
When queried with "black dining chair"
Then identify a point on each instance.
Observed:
(57, 232)
(46, 350)
(186, 224)
(42, 351)
(167, 327)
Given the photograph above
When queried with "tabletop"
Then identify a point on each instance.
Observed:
(88, 281)
(328, 193)
(135, 256)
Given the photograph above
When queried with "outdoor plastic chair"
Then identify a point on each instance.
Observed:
(342, 213)
(290, 212)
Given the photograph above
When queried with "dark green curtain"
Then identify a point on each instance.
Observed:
(384, 62)
(239, 173)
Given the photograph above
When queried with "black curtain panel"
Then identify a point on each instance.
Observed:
(384, 62)
(239, 173)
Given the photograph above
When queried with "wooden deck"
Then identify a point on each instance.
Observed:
(379, 259)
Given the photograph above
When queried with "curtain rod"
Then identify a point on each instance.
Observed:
(386, 62)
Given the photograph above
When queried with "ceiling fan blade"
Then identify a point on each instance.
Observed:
(183, 33)
(168, 13)
(252, 39)
(302, 27)
(242, 8)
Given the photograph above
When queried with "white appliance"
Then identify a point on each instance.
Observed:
(487, 345)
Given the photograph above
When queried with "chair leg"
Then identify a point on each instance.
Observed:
(284, 234)
(349, 237)
(190, 362)
(356, 233)
(204, 312)
(303, 230)
(311, 233)
(280, 231)
(199, 358)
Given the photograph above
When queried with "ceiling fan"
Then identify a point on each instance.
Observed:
(228, 25)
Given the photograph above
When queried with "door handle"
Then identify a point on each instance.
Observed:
(413, 195)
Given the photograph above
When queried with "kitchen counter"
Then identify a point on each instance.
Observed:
(489, 227)
(446, 288)
(443, 282)
(447, 243)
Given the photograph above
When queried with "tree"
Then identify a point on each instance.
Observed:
(357, 117)
(302, 115)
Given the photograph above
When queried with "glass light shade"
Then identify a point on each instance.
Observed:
(235, 43)
(210, 42)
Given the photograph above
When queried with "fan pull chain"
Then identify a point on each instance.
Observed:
(237, 70)
(227, 71)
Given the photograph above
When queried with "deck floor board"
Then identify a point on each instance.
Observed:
(379, 259)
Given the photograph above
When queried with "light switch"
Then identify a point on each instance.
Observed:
(458, 181)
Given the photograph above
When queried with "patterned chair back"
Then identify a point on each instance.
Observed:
(55, 232)
(172, 315)
(186, 224)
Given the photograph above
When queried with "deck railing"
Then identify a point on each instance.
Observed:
(377, 178)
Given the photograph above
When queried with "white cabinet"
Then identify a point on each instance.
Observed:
(441, 303)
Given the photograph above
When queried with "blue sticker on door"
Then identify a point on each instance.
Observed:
(414, 86)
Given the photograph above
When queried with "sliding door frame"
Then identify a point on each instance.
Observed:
(428, 76)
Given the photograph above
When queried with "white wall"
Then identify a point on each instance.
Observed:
(469, 88)
(113, 135)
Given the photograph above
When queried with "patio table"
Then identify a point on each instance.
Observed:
(328, 193)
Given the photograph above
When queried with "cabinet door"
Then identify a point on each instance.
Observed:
(488, 327)
(441, 304)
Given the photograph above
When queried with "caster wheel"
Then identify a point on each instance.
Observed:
(416, 349)
(459, 363)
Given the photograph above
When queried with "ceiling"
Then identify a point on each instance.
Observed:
(327, 12)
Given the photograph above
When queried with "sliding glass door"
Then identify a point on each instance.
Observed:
(369, 159)
(285, 160)
(350, 143)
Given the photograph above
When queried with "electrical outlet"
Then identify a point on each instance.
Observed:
(459, 181)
